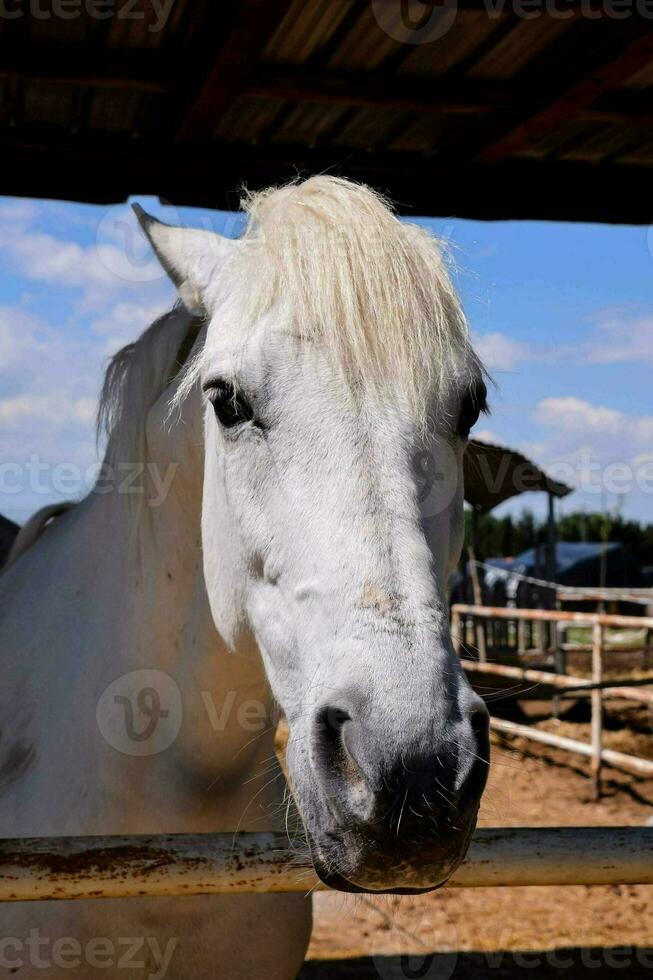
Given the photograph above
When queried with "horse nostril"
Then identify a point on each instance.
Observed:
(341, 776)
(480, 725)
(478, 757)
(331, 750)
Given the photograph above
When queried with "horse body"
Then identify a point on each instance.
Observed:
(90, 602)
(315, 579)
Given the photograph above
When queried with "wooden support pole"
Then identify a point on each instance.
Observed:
(479, 625)
(560, 661)
(551, 540)
(597, 707)
(205, 864)
(521, 637)
(648, 646)
(456, 635)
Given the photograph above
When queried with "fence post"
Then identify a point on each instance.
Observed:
(597, 707)
(521, 637)
(648, 644)
(480, 631)
(456, 636)
(560, 662)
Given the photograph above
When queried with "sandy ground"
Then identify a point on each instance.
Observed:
(508, 932)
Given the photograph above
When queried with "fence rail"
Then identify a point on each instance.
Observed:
(556, 616)
(202, 864)
(595, 688)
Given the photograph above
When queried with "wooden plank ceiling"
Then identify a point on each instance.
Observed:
(466, 108)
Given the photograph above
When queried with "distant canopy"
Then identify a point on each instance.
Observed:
(8, 532)
(494, 474)
(577, 563)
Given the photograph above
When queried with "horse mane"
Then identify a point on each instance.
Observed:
(351, 275)
(135, 379)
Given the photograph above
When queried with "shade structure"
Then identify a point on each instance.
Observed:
(494, 474)
(465, 107)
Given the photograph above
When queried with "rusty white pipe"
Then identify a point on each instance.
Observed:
(628, 690)
(525, 674)
(608, 648)
(619, 760)
(555, 616)
(627, 693)
(201, 864)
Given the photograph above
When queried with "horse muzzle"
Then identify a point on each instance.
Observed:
(391, 813)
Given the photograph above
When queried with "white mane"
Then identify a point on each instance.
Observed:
(373, 289)
(135, 379)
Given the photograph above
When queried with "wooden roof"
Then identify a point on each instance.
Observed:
(494, 474)
(497, 116)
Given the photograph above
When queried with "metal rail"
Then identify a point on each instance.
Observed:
(203, 864)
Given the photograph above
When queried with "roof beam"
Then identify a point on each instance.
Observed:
(256, 22)
(140, 75)
(572, 102)
(286, 83)
(524, 189)
(459, 97)
(281, 83)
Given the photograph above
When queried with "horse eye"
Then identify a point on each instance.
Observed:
(474, 402)
(230, 408)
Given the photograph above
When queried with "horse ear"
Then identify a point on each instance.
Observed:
(190, 256)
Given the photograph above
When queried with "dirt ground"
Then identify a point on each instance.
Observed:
(508, 932)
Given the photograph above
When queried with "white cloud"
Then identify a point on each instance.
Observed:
(118, 263)
(604, 452)
(485, 435)
(21, 337)
(100, 288)
(620, 336)
(499, 352)
(50, 410)
(575, 416)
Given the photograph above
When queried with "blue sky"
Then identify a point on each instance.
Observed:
(562, 314)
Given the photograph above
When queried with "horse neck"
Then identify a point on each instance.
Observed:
(156, 544)
(168, 623)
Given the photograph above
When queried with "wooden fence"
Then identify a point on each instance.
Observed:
(596, 687)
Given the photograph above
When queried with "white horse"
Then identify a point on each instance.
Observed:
(295, 558)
